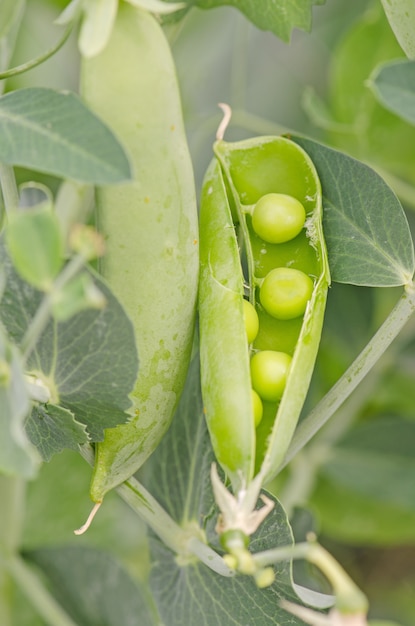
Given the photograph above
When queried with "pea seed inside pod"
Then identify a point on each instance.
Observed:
(285, 292)
(269, 371)
(278, 218)
(257, 407)
(251, 321)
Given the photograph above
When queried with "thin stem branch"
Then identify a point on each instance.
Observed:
(29, 65)
(349, 598)
(12, 498)
(31, 585)
(353, 375)
(41, 318)
(185, 543)
(176, 538)
(9, 187)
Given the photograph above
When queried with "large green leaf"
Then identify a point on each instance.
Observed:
(278, 17)
(366, 231)
(365, 489)
(178, 475)
(394, 86)
(52, 429)
(93, 587)
(350, 517)
(89, 362)
(54, 132)
(377, 460)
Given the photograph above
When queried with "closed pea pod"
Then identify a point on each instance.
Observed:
(150, 227)
(275, 195)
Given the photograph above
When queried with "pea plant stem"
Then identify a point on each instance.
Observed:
(41, 318)
(12, 497)
(185, 543)
(360, 367)
(8, 187)
(25, 67)
(30, 583)
(349, 598)
(175, 537)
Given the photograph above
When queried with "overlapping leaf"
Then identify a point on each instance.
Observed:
(54, 132)
(394, 86)
(365, 489)
(278, 17)
(93, 587)
(178, 475)
(366, 231)
(89, 362)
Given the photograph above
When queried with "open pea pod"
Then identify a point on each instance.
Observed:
(249, 249)
(227, 400)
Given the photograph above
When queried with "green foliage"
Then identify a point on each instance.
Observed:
(279, 18)
(68, 356)
(55, 133)
(367, 234)
(393, 84)
(92, 586)
(204, 597)
(88, 362)
(35, 245)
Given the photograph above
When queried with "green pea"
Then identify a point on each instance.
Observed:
(257, 407)
(285, 292)
(251, 321)
(269, 371)
(150, 227)
(278, 218)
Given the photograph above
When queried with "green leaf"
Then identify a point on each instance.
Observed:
(54, 132)
(376, 459)
(401, 17)
(394, 86)
(17, 455)
(395, 394)
(280, 18)
(365, 489)
(350, 517)
(93, 587)
(376, 135)
(57, 490)
(89, 362)
(52, 428)
(35, 244)
(366, 230)
(178, 476)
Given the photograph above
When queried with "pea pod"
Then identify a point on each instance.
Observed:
(283, 270)
(150, 227)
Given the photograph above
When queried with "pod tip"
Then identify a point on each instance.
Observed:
(227, 114)
(84, 527)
